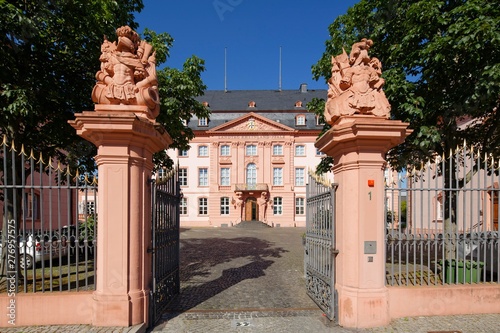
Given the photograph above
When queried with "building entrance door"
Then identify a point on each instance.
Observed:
(251, 209)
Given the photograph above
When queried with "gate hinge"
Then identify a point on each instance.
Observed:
(334, 251)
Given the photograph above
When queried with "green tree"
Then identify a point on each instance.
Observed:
(441, 66)
(50, 52)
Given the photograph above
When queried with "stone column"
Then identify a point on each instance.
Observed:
(358, 145)
(126, 140)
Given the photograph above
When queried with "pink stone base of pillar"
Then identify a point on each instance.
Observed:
(126, 141)
(358, 145)
(119, 310)
(363, 308)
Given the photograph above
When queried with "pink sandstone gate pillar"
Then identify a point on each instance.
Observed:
(359, 138)
(126, 134)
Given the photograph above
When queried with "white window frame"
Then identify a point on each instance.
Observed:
(277, 205)
(300, 176)
(278, 176)
(225, 176)
(183, 207)
(203, 206)
(278, 150)
(203, 151)
(251, 174)
(183, 153)
(300, 206)
(224, 206)
(300, 150)
(318, 153)
(203, 122)
(183, 176)
(225, 150)
(203, 177)
(251, 150)
(300, 120)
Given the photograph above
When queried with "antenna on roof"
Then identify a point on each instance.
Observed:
(279, 78)
(225, 70)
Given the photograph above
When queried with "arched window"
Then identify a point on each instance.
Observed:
(251, 174)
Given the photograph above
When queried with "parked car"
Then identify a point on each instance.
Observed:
(39, 246)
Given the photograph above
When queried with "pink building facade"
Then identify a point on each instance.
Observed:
(249, 161)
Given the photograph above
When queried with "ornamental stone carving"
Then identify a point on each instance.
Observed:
(355, 86)
(128, 73)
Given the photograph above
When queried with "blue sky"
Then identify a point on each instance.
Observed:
(252, 32)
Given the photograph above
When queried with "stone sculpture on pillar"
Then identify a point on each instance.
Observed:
(128, 73)
(356, 85)
(126, 134)
(360, 136)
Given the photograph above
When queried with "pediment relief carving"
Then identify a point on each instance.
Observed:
(252, 122)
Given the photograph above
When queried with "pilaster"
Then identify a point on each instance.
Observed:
(126, 141)
(358, 145)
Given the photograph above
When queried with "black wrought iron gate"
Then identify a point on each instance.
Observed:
(320, 252)
(165, 193)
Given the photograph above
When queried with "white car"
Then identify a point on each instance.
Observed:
(37, 247)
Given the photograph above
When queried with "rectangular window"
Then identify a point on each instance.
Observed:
(318, 153)
(184, 206)
(225, 179)
(203, 177)
(319, 121)
(299, 176)
(277, 150)
(300, 150)
(299, 206)
(162, 173)
(32, 203)
(278, 176)
(225, 150)
(251, 150)
(278, 205)
(224, 206)
(439, 209)
(300, 120)
(202, 122)
(203, 206)
(203, 151)
(183, 177)
(183, 153)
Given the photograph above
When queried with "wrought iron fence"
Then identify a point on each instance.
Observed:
(49, 224)
(165, 195)
(320, 251)
(442, 221)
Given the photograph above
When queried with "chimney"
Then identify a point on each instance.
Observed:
(303, 87)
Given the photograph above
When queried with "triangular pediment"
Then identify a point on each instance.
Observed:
(251, 122)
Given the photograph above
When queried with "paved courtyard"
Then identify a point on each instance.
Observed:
(252, 280)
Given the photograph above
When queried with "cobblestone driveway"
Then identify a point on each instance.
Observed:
(242, 269)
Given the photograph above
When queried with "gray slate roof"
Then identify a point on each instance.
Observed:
(272, 104)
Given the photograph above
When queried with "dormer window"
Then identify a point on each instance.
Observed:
(205, 104)
(251, 104)
(319, 121)
(298, 104)
(203, 122)
(300, 120)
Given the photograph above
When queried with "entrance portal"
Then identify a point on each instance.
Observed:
(251, 209)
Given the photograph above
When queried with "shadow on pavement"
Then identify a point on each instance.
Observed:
(201, 259)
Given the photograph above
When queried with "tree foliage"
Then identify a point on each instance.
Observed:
(441, 66)
(50, 52)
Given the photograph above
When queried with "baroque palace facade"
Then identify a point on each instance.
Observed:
(251, 159)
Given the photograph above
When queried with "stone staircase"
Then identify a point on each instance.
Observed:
(252, 225)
